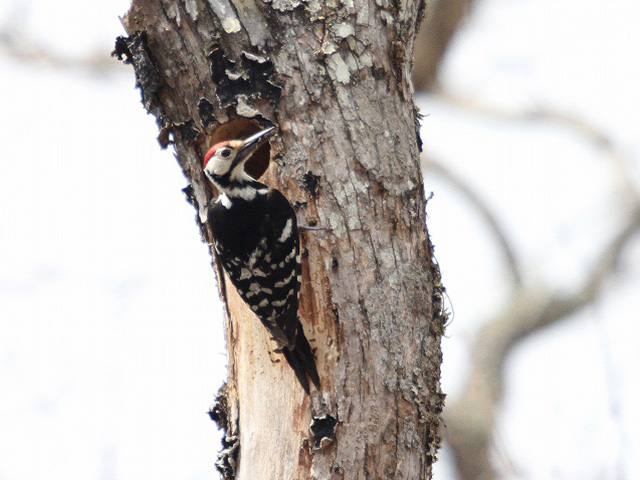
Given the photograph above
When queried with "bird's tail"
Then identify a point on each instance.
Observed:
(301, 360)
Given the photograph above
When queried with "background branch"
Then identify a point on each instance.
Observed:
(484, 211)
(590, 132)
(444, 18)
(19, 46)
(471, 418)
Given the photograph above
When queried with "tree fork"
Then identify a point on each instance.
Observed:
(335, 81)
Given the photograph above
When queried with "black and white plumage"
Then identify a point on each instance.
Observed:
(256, 238)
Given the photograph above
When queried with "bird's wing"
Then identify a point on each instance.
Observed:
(268, 278)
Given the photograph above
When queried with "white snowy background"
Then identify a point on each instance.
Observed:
(111, 340)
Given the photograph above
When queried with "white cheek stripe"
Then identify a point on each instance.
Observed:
(239, 175)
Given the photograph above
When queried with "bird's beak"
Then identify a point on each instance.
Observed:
(251, 144)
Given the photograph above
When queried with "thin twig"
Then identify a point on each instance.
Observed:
(492, 222)
(471, 418)
(23, 48)
(591, 132)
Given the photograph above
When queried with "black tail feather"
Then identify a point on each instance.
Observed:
(306, 356)
(302, 362)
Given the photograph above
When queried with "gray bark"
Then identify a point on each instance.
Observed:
(335, 79)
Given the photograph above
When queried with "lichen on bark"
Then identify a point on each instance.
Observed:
(335, 79)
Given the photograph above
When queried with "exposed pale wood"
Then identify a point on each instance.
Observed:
(371, 296)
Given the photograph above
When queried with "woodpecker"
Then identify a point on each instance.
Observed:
(256, 238)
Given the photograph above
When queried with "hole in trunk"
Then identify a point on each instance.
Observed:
(240, 128)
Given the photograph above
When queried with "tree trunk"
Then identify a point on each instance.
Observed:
(335, 80)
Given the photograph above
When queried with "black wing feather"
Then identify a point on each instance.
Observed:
(259, 247)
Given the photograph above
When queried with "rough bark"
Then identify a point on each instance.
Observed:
(335, 79)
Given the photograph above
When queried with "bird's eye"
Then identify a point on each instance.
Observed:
(225, 153)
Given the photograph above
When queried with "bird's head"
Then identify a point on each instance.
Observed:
(224, 162)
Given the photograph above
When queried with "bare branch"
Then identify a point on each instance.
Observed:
(444, 18)
(21, 47)
(470, 420)
(588, 130)
(508, 252)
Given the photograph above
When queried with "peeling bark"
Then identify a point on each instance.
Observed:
(335, 79)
